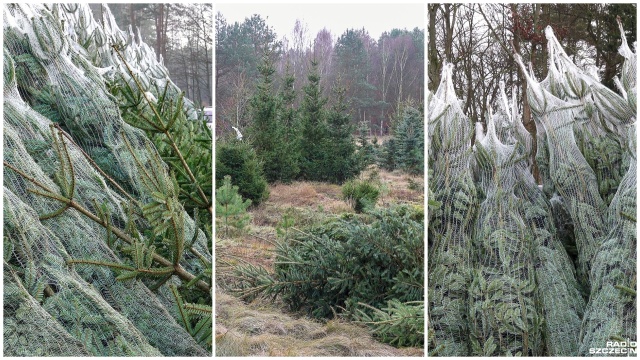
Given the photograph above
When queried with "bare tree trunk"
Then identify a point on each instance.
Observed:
(185, 66)
(449, 15)
(527, 120)
(468, 68)
(207, 67)
(165, 19)
(160, 45)
(434, 66)
(384, 55)
(132, 16)
(401, 60)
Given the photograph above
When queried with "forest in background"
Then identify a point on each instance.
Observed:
(180, 34)
(378, 75)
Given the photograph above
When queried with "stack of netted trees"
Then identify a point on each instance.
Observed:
(502, 278)
(90, 209)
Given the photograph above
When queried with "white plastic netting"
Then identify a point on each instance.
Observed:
(57, 59)
(552, 270)
(451, 225)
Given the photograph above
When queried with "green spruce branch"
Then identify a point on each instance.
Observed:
(95, 166)
(196, 318)
(157, 124)
(65, 178)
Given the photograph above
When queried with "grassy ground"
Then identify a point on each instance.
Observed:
(262, 328)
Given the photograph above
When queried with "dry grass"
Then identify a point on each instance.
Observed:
(259, 330)
(308, 194)
(296, 194)
(401, 187)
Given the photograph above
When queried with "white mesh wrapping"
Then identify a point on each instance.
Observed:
(450, 226)
(48, 75)
(542, 270)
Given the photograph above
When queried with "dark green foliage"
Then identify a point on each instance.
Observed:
(289, 122)
(315, 134)
(353, 64)
(328, 150)
(230, 207)
(399, 324)
(348, 266)
(268, 132)
(165, 123)
(238, 160)
(405, 150)
(193, 139)
(367, 151)
(264, 130)
(604, 154)
(196, 318)
(409, 145)
(361, 195)
(342, 160)
(146, 226)
(387, 159)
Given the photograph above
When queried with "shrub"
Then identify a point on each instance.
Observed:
(351, 266)
(360, 195)
(238, 160)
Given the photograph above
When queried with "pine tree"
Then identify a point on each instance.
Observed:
(230, 207)
(265, 132)
(289, 124)
(238, 160)
(409, 150)
(315, 136)
(342, 161)
(367, 150)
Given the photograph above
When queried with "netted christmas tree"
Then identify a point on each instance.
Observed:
(100, 256)
(451, 225)
(524, 294)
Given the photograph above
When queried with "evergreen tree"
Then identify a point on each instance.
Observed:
(409, 150)
(274, 129)
(387, 159)
(354, 65)
(265, 132)
(230, 207)
(315, 135)
(342, 161)
(238, 160)
(367, 151)
(289, 123)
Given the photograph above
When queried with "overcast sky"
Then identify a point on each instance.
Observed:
(375, 18)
